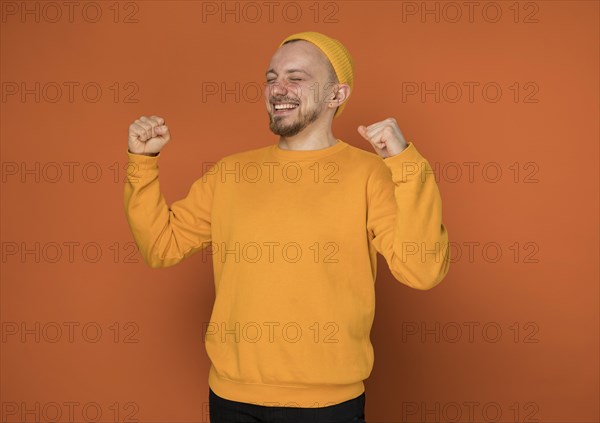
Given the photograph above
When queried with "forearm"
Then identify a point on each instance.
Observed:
(420, 245)
(148, 214)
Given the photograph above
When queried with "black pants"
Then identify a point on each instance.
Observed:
(222, 410)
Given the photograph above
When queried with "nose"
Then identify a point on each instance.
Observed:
(277, 89)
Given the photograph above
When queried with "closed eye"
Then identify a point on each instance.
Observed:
(291, 79)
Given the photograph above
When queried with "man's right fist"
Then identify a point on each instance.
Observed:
(148, 135)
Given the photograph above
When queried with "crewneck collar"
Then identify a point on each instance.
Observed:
(307, 154)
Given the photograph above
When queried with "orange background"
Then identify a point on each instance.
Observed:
(542, 293)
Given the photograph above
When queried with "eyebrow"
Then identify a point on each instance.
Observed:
(288, 71)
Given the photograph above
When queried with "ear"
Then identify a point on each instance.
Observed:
(340, 93)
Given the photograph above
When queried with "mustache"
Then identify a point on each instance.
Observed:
(285, 99)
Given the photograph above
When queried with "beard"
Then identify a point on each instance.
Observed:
(279, 127)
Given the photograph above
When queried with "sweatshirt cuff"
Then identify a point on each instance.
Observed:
(405, 165)
(143, 162)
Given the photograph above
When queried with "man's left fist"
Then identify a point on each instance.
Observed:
(385, 137)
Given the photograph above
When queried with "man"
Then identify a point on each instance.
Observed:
(295, 228)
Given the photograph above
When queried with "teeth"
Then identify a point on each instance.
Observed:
(285, 106)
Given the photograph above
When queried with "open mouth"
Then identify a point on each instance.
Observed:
(284, 108)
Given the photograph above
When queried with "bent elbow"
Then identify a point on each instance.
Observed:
(422, 284)
(423, 276)
(155, 262)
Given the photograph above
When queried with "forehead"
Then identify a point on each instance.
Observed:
(298, 55)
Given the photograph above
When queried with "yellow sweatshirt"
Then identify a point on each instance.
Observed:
(293, 237)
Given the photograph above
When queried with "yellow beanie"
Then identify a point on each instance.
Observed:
(337, 54)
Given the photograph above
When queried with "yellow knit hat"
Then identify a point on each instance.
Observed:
(337, 54)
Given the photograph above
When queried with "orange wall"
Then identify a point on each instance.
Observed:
(513, 329)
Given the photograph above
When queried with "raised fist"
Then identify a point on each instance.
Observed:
(148, 135)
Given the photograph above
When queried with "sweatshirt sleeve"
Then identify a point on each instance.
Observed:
(166, 235)
(404, 219)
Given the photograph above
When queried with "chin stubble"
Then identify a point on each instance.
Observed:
(302, 121)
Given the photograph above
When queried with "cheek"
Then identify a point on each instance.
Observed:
(300, 93)
(297, 91)
(267, 93)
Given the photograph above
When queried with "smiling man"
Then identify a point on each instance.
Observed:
(294, 229)
(297, 72)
